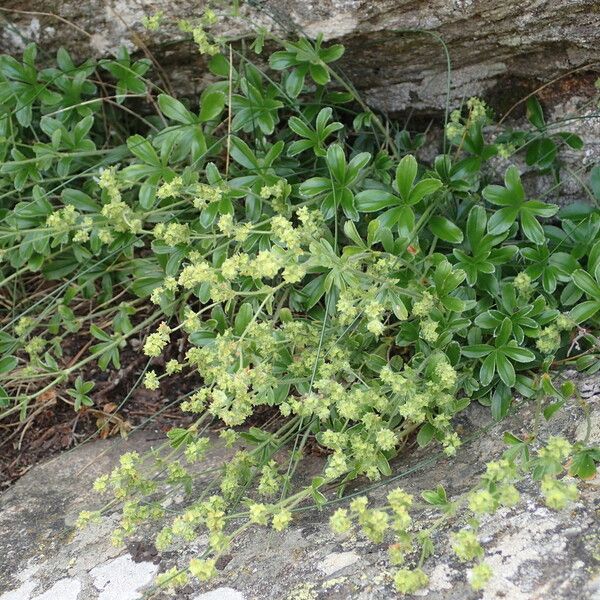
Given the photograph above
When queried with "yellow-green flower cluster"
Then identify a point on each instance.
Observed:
(557, 449)
(153, 22)
(205, 194)
(82, 234)
(24, 326)
(428, 331)
(400, 503)
(480, 575)
(199, 34)
(275, 191)
(506, 150)
(270, 479)
(86, 517)
(557, 494)
(156, 341)
(339, 521)
(203, 569)
(196, 449)
(63, 219)
(121, 217)
(466, 545)
(523, 284)
(454, 128)
(127, 478)
(548, 341)
(151, 381)
(35, 345)
(409, 581)
(482, 501)
(259, 513)
(172, 234)
(170, 188)
(424, 306)
(373, 313)
(281, 519)
(477, 109)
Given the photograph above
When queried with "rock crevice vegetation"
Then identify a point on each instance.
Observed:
(327, 290)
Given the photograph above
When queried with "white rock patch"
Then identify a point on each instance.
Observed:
(28, 585)
(222, 593)
(337, 561)
(122, 577)
(63, 589)
(21, 593)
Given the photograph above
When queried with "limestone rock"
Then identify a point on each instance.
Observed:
(394, 54)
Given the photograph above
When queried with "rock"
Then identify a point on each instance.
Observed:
(222, 593)
(336, 561)
(536, 553)
(120, 578)
(498, 48)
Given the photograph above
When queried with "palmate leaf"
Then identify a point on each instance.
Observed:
(511, 198)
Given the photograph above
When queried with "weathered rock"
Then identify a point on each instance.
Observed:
(392, 56)
(536, 553)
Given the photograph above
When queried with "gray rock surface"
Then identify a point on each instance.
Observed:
(495, 45)
(537, 554)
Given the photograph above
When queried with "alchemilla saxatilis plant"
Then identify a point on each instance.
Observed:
(324, 288)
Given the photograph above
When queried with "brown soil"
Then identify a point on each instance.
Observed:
(54, 427)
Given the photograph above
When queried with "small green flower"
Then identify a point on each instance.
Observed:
(409, 581)
(340, 521)
(480, 575)
(557, 494)
(465, 545)
(203, 569)
(281, 519)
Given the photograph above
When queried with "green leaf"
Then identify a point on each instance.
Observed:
(552, 409)
(332, 53)
(511, 439)
(179, 437)
(405, 176)
(583, 464)
(585, 282)
(336, 161)
(477, 351)
(584, 311)
(437, 497)
(522, 355)
(7, 364)
(595, 181)
(535, 113)
(488, 368)
(99, 333)
(505, 370)
(501, 401)
(383, 465)
(476, 223)
(445, 229)
(175, 110)
(502, 220)
(243, 318)
(374, 200)
(142, 149)
(512, 181)
(319, 74)
(425, 434)
(242, 154)
(531, 228)
(211, 105)
(424, 188)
